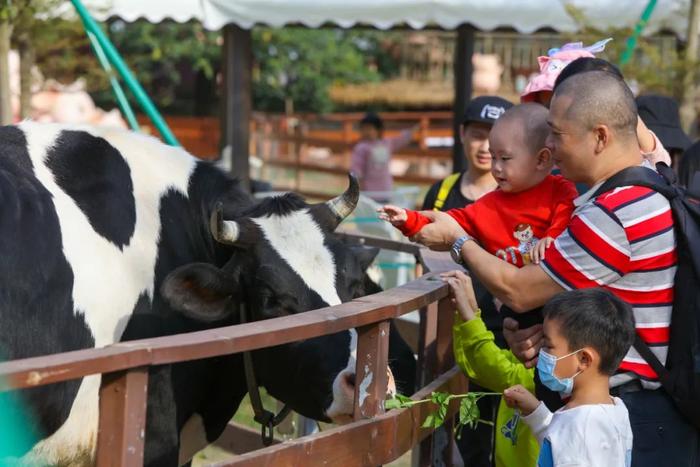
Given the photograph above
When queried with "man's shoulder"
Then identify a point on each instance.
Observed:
(632, 195)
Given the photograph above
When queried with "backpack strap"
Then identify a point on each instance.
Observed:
(641, 176)
(664, 182)
(445, 188)
(645, 352)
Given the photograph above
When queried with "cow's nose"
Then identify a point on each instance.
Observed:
(347, 384)
(348, 381)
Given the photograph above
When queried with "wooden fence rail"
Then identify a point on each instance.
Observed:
(374, 438)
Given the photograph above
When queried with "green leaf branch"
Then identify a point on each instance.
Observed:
(468, 409)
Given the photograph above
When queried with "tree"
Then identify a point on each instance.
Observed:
(8, 11)
(688, 111)
(654, 70)
(28, 30)
(298, 65)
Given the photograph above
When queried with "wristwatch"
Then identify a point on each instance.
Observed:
(456, 250)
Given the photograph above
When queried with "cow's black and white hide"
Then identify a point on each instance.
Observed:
(93, 221)
(402, 361)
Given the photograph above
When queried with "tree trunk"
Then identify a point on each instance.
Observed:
(26, 57)
(5, 97)
(688, 111)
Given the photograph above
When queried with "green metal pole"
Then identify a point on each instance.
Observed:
(116, 86)
(641, 24)
(131, 82)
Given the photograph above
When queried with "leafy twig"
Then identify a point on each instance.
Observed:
(468, 409)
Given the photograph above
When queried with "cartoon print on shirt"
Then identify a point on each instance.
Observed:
(526, 237)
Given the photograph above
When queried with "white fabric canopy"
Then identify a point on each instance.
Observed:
(523, 15)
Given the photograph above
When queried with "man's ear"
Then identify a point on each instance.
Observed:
(602, 136)
(544, 159)
(462, 132)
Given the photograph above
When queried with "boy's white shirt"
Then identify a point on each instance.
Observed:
(594, 435)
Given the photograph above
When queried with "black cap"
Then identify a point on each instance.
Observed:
(485, 109)
(660, 115)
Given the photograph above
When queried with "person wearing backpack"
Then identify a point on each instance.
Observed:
(624, 239)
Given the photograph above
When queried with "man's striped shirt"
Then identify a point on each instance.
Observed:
(623, 241)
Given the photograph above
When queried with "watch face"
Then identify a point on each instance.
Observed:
(456, 257)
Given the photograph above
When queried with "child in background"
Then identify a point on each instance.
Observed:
(587, 332)
(496, 369)
(372, 155)
(530, 207)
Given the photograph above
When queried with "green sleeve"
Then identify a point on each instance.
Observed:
(483, 361)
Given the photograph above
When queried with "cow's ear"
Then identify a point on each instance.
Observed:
(365, 255)
(200, 291)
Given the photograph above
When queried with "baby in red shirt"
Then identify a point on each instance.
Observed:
(530, 207)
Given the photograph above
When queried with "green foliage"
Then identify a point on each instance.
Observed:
(469, 414)
(656, 65)
(299, 65)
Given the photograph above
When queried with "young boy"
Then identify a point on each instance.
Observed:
(587, 332)
(530, 208)
(495, 369)
(371, 156)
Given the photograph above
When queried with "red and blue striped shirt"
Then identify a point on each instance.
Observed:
(623, 241)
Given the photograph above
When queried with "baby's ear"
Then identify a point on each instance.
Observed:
(544, 159)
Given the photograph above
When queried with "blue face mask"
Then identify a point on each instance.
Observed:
(545, 368)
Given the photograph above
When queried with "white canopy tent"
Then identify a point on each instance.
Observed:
(523, 15)
(237, 17)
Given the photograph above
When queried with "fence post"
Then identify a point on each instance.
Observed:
(122, 425)
(371, 371)
(436, 338)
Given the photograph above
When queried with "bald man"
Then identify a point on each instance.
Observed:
(611, 242)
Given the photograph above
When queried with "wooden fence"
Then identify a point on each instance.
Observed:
(303, 144)
(374, 438)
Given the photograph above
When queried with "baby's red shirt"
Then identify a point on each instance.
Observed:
(509, 225)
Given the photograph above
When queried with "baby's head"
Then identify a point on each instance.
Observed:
(519, 158)
(587, 333)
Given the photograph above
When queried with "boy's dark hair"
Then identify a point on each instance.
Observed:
(372, 119)
(594, 318)
(583, 64)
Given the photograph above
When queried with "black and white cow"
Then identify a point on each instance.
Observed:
(106, 236)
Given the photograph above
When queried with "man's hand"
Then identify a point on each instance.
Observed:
(524, 343)
(441, 233)
(517, 397)
(395, 215)
(462, 292)
(537, 253)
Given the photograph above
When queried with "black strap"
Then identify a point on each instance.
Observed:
(265, 418)
(653, 361)
(663, 182)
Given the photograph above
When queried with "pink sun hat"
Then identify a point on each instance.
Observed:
(555, 61)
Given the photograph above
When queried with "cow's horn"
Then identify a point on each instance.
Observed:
(342, 206)
(222, 230)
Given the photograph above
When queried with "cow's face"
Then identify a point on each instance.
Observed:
(284, 260)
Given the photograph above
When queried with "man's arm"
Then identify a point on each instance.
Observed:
(522, 289)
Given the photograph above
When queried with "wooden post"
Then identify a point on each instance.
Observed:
(464, 49)
(122, 425)
(371, 371)
(438, 358)
(237, 74)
